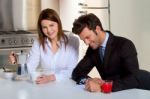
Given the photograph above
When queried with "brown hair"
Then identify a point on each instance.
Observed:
(50, 14)
(89, 20)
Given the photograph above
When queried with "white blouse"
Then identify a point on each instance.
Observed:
(61, 63)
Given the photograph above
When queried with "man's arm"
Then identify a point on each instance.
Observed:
(80, 73)
(130, 66)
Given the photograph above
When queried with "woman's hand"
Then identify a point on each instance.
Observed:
(45, 79)
(12, 58)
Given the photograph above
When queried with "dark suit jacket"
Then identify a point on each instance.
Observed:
(120, 63)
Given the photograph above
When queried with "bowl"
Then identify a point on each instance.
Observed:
(9, 74)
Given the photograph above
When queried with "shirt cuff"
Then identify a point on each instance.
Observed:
(82, 81)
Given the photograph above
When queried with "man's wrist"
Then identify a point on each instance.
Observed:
(82, 81)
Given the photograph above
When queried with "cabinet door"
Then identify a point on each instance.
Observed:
(69, 11)
(97, 3)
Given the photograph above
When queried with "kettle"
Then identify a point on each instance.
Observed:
(21, 57)
(21, 61)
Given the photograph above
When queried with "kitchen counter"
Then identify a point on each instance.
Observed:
(65, 89)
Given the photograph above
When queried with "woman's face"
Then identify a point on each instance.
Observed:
(50, 29)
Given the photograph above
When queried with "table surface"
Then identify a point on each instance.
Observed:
(65, 89)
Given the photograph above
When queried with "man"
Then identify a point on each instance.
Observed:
(114, 57)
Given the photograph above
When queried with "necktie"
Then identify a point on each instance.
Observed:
(101, 54)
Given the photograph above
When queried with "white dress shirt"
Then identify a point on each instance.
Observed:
(61, 63)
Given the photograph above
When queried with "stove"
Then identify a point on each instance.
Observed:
(16, 39)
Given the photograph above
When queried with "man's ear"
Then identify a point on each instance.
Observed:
(98, 29)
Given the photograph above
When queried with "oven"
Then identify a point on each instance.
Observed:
(16, 41)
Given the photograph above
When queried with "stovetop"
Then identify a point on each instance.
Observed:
(16, 32)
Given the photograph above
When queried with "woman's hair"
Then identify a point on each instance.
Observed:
(89, 20)
(50, 14)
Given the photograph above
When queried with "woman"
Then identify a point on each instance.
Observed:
(53, 50)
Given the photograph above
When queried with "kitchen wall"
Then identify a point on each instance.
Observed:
(131, 19)
(54, 4)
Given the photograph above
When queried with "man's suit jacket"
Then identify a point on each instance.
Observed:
(120, 63)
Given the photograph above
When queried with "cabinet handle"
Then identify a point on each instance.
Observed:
(83, 12)
(82, 4)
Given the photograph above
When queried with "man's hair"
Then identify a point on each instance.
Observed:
(89, 20)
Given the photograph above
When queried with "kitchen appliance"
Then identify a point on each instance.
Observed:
(72, 9)
(19, 14)
(17, 17)
(16, 41)
(101, 8)
(6, 17)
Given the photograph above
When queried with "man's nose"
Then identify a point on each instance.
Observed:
(87, 42)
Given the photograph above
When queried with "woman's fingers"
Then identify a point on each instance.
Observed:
(12, 58)
(45, 79)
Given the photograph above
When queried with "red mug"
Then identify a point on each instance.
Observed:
(107, 86)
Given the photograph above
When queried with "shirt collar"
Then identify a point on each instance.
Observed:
(49, 43)
(105, 41)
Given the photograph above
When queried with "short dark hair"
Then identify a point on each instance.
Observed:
(89, 20)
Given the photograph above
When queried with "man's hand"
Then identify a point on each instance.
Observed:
(94, 84)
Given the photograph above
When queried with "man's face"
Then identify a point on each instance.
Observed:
(90, 38)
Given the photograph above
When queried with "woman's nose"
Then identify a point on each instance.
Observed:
(48, 29)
